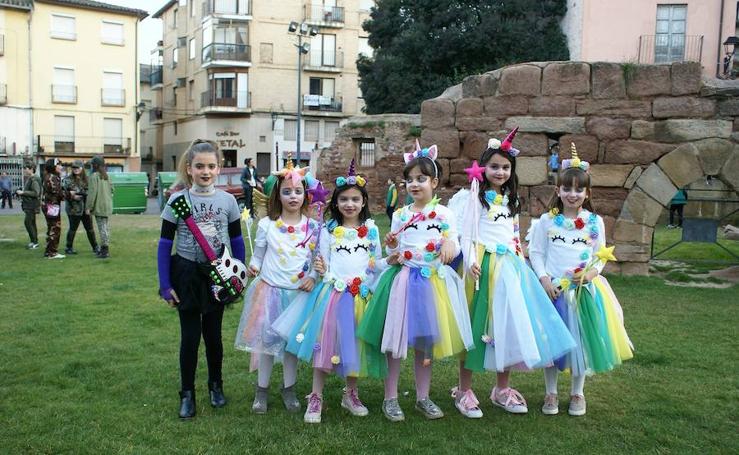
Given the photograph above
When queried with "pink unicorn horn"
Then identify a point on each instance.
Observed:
(506, 145)
(418, 145)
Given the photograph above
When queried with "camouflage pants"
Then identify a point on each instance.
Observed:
(53, 234)
(103, 229)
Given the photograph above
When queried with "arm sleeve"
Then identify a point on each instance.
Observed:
(394, 226)
(91, 193)
(260, 243)
(238, 250)
(453, 234)
(538, 247)
(164, 252)
(380, 262)
(324, 248)
(244, 179)
(600, 242)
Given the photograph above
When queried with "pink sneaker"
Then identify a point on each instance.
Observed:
(351, 402)
(313, 413)
(467, 404)
(509, 399)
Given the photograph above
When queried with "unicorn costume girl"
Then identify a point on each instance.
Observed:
(321, 328)
(561, 247)
(283, 261)
(419, 304)
(513, 321)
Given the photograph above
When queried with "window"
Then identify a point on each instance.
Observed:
(311, 131)
(291, 129)
(321, 86)
(192, 9)
(191, 90)
(63, 27)
(174, 96)
(669, 40)
(330, 129)
(174, 18)
(264, 163)
(181, 41)
(174, 58)
(323, 50)
(262, 138)
(63, 134)
(111, 33)
(229, 89)
(364, 47)
(191, 53)
(112, 135)
(366, 152)
(63, 90)
(113, 93)
(183, 2)
(229, 158)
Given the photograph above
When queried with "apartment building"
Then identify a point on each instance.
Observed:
(650, 31)
(230, 73)
(16, 137)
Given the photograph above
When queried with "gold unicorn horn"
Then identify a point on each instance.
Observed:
(573, 151)
(289, 165)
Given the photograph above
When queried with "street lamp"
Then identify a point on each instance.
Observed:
(301, 30)
(729, 50)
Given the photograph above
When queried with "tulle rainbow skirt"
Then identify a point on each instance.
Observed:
(320, 327)
(414, 308)
(514, 324)
(263, 304)
(595, 319)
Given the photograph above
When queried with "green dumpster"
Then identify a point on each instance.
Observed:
(130, 191)
(164, 181)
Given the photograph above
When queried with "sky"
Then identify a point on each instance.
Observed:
(150, 30)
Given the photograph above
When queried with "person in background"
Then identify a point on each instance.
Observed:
(30, 202)
(391, 200)
(53, 197)
(676, 208)
(75, 193)
(6, 188)
(100, 202)
(553, 162)
(248, 183)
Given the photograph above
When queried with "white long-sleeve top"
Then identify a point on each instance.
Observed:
(352, 253)
(420, 242)
(281, 261)
(558, 247)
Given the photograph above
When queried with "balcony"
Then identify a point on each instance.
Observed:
(64, 94)
(112, 97)
(226, 103)
(670, 48)
(328, 62)
(3, 94)
(2, 44)
(320, 103)
(226, 54)
(85, 145)
(228, 9)
(324, 16)
(155, 115)
(155, 79)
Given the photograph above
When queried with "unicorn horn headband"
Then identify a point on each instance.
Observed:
(575, 161)
(290, 172)
(431, 153)
(506, 145)
(351, 177)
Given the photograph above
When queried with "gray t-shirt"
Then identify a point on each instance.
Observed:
(212, 213)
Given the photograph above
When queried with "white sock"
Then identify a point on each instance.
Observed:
(550, 380)
(578, 385)
(264, 371)
(289, 369)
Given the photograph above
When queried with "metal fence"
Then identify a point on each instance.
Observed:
(52, 144)
(670, 48)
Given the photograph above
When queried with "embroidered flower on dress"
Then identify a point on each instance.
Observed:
(501, 249)
(373, 234)
(362, 231)
(335, 359)
(584, 256)
(428, 257)
(339, 285)
(299, 337)
(339, 231)
(426, 272)
(317, 347)
(490, 196)
(364, 290)
(407, 255)
(559, 219)
(579, 223)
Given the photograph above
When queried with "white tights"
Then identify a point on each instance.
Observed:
(289, 369)
(550, 380)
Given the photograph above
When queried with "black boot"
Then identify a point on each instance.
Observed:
(187, 404)
(104, 253)
(217, 399)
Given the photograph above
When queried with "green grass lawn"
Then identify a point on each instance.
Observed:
(701, 253)
(89, 365)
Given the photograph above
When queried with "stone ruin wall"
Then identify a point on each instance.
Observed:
(646, 130)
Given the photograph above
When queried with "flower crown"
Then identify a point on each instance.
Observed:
(575, 161)
(351, 178)
(506, 145)
(290, 172)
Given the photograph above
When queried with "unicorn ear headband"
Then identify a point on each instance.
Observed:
(575, 161)
(506, 145)
(429, 152)
(290, 172)
(351, 178)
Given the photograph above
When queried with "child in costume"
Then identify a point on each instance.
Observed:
(282, 265)
(419, 304)
(513, 322)
(182, 282)
(321, 329)
(568, 252)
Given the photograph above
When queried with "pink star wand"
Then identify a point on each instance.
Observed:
(469, 249)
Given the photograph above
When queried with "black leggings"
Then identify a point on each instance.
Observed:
(192, 324)
(74, 222)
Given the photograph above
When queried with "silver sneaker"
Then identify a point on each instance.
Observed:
(577, 405)
(391, 409)
(292, 404)
(260, 401)
(429, 409)
(551, 404)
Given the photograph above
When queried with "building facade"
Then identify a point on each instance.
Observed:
(16, 136)
(650, 31)
(74, 80)
(230, 74)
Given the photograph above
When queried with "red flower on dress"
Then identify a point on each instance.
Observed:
(354, 289)
(301, 275)
(430, 247)
(578, 270)
(362, 231)
(432, 214)
(291, 229)
(408, 255)
(356, 281)
(579, 223)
